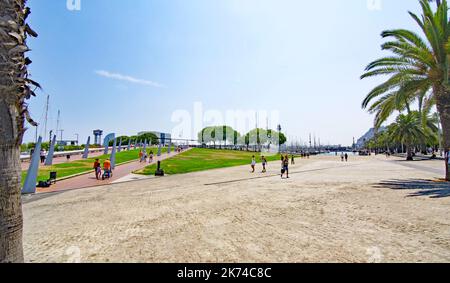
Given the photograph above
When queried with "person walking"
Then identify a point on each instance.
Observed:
(292, 160)
(342, 157)
(253, 164)
(97, 169)
(42, 154)
(141, 155)
(346, 157)
(151, 157)
(145, 156)
(264, 163)
(285, 167)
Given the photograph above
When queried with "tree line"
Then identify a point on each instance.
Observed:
(151, 139)
(226, 135)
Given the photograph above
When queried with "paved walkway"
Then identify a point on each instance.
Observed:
(89, 180)
(417, 165)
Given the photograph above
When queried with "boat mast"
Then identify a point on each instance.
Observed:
(46, 116)
(57, 121)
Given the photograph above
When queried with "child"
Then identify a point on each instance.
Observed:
(285, 165)
(264, 162)
(151, 157)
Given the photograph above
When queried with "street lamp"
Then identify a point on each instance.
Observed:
(279, 142)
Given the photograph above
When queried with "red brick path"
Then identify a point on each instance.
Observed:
(86, 181)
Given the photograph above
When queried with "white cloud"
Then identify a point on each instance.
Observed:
(129, 79)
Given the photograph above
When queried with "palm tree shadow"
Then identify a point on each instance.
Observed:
(427, 188)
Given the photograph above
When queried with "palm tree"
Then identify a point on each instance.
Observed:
(399, 100)
(407, 130)
(418, 65)
(430, 122)
(14, 91)
(438, 2)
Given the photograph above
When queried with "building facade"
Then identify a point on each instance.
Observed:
(166, 138)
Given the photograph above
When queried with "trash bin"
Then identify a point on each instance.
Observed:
(53, 176)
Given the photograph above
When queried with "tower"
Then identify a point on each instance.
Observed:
(98, 137)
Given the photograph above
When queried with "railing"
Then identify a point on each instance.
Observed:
(71, 153)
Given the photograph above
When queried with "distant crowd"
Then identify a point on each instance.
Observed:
(285, 160)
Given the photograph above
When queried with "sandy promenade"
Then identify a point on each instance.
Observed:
(371, 209)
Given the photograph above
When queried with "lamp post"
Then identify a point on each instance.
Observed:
(279, 143)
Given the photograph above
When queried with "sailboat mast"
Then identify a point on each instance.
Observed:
(57, 122)
(46, 116)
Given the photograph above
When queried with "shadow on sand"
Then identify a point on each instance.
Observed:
(432, 189)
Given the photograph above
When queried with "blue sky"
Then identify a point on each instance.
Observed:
(126, 66)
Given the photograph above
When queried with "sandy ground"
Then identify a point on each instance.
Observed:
(368, 210)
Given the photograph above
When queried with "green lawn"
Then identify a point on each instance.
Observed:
(199, 159)
(85, 165)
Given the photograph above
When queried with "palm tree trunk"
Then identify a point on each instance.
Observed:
(409, 153)
(13, 93)
(10, 202)
(443, 106)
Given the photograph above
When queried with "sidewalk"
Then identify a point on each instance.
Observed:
(89, 180)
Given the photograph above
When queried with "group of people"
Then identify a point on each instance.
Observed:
(143, 156)
(107, 171)
(284, 164)
(263, 161)
(304, 154)
(344, 157)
